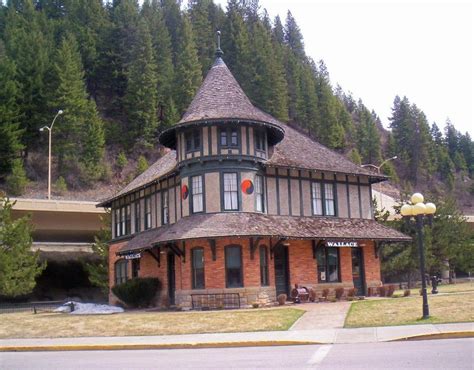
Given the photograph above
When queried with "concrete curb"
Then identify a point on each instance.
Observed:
(128, 347)
(432, 336)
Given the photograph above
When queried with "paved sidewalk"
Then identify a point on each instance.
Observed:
(322, 316)
(320, 336)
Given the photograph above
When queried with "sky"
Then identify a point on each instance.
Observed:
(379, 49)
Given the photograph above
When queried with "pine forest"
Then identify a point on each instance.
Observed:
(123, 71)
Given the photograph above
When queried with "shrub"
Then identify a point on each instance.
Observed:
(255, 305)
(396, 295)
(390, 290)
(382, 290)
(312, 295)
(60, 185)
(351, 298)
(281, 299)
(142, 165)
(332, 299)
(121, 162)
(351, 292)
(406, 292)
(325, 293)
(138, 292)
(339, 293)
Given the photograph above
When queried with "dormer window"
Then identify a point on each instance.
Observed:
(229, 137)
(260, 142)
(193, 140)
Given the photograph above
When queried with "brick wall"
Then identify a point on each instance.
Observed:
(302, 268)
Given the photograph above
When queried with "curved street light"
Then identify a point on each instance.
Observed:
(50, 129)
(419, 210)
(381, 164)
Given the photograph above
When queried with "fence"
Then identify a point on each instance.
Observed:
(45, 306)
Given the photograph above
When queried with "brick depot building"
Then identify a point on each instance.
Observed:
(242, 203)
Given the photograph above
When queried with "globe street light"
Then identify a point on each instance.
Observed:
(419, 210)
(50, 129)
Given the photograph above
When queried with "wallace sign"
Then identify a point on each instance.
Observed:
(342, 244)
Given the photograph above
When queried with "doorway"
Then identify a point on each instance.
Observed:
(282, 281)
(358, 271)
(171, 279)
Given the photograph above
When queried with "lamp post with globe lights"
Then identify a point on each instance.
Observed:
(50, 130)
(419, 210)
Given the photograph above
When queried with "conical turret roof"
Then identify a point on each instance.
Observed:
(221, 99)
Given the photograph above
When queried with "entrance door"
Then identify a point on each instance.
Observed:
(358, 271)
(282, 282)
(171, 279)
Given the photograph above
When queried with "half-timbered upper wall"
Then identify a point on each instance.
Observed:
(221, 140)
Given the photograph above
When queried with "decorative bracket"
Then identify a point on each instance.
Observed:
(176, 250)
(253, 246)
(378, 246)
(156, 257)
(212, 244)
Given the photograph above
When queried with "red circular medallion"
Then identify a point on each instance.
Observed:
(247, 186)
(184, 191)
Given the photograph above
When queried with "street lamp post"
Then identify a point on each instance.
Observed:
(381, 164)
(419, 210)
(50, 130)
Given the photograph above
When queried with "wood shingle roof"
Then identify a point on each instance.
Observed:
(242, 224)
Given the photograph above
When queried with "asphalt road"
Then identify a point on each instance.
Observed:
(435, 354)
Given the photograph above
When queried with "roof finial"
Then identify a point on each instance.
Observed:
(219, 52)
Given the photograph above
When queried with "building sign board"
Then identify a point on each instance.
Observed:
(352, 244)
(133, 256)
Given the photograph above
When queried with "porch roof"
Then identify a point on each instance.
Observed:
(239, 224)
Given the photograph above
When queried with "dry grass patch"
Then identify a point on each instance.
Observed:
(28, 325)
(405, 311)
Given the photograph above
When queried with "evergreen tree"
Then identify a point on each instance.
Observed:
(355, 157)
(142, 165)
(19, 266)
(188, 70)
(162, 53)
(10, 132)
(28, 44)
(17, 181)
(141, 95)
(203, 32)
(368, 137)
(79, 142)
(173, 20)
(293, 37)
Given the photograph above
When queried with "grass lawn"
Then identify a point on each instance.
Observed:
(42, 325)
(403, 311)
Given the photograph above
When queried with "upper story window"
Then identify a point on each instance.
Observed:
(259, 194)
(230, 191)
(122, 221)
(193, 140)
(147, 213)
(138, 226)
(328, 265)
(229, 137)
(197, 261)
(323, 199)
(197, 197)
(260, 142)
(121, 267)
(165, 215)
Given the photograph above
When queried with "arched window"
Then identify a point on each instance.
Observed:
(233, 266)
(197, 268)
(121, 271)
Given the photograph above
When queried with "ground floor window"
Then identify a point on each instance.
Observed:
(233, 266)
(328, 265)
(263, 266)
(121, 271)
(135, 267)
(197, 268)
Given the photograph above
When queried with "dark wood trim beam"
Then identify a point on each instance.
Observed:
(212, 245)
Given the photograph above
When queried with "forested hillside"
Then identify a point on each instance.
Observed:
(122, 73)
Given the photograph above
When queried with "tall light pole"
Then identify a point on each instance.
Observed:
(419, 210)
(50, 130)
(381, 164)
